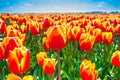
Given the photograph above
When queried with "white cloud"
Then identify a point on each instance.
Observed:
(100, 4)
(34, 8)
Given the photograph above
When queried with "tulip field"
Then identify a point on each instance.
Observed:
(59, 46)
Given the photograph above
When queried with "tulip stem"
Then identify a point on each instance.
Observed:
(82, 54)
(59, 75)
(115, 73)
(50, 76)
(75, 49)
(3, 71)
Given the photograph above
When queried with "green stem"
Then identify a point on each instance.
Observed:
(75, 49)
(115, 73)
(3, 70)
(70, 47)
(50, 76)
(59, 74)
(82, 54)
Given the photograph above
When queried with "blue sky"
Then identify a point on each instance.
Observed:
(46, 6)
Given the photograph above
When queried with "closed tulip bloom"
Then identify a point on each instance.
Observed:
(88, 70)
(98, 35)
(110, 29)
(13, 77)
(103, 26)
(107, 37)
(45, 43)
(34, 28)
(19, 60)
(2, 26)
(23, 28)
(1, 51)
(86, 41)
(9, 43)
(40, 58)
(115, 60)
(12, 33)
(28, 77)
(16, 33)
(57, 38)
(76, 32)
(49, 66)
(89, 29)
(46, 23)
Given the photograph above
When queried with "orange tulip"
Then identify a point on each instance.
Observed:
(19, 60)
(34, 28)
(9, 43)
(57, 38)
(16, 33)
(9, 30)
(1, 51)
(45, 43)
(107, 37)
(40, 58)
(98, 35)
(96, 23)
(49, 66)
(89, 29)
(88, 70)
(13, 77)
(110, 29)
(46, 23)
(76, 32)
(104, 25)
(22, 20)
(115, 60)
(23, 28)
(86, 41)
(2, 26)
(12, 33)
(28, 77)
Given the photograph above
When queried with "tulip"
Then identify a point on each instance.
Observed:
(16, 33)
(88, 70)
(89, 29)
(115, 60)
(57, 38)
(9, 43)
(34, 28)
(28, 77)
(49, 66)
(1, 51)
(110, 29)
(107, 37)
(98, 35)
(96, 23)
(10, 30)
(104, 25)
(23, 28)
(76, 32)
(46, 23)
(40, 58)
(12, 33)
(13, 77)
(2, 26)
(19, 60)
(45, 43)
(86, 41)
